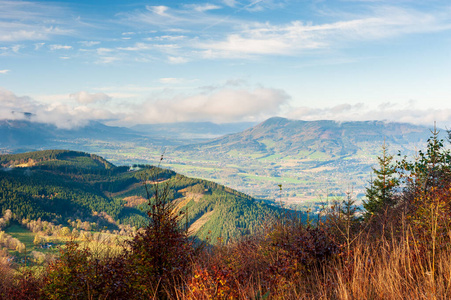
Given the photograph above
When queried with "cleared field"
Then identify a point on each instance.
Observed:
(22, 234)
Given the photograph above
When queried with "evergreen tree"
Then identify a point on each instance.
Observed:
(381, 193)
(431, 169)
(160, 254)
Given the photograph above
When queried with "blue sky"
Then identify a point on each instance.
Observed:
(128, 62)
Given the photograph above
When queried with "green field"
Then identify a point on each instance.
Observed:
(22, 234)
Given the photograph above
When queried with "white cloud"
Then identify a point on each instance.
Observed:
(225, 105)
(290, 38)
(4, 71)
(8, 50)
(231, 102)
(176, 20)
(137, 47)
(108, 59)
(103, 51)
(203, 7)
(59, 47)
(159, 10)
(12, 32)
(10, 103)
(89, 43)
(86, 98)
(166, 38)
(170, 80)
(38, 46)
(394, 112)
(31, 21)
(16, 48)
(177, 60)
(13, 107)
(231, 3)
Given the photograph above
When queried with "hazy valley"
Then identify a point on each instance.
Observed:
(313, 160)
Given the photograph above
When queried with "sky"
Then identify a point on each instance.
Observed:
(139, 62)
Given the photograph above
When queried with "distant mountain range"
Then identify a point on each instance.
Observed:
(300, 138)
(304, 156)
(275, 135)
(312, 159)
(26, 134)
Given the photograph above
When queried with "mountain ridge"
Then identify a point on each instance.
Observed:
(294, 135)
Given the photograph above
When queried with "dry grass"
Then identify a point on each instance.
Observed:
(374, 269)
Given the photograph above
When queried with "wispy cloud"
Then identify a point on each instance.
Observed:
(177, 59)
(235, 37)
(38, 46)
(108, 59)
(59, 47)
(231, 3)
(13, 32)
(89, 43)
(4, 71)
(202, 7)
(159, 10)
(288, 39)
(30, 21)
(137, 47)
(188, 18)
(170, 80)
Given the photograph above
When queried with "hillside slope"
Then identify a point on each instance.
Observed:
(57, 185)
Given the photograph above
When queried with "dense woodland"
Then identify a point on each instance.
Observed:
(58, 185)
(397, 247)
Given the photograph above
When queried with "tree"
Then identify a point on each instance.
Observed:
(342, 220)
(381, 193)
(161, 253)
(431, 169)
(37, 240)
(427, 192)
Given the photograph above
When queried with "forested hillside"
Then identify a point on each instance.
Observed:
(57, 185)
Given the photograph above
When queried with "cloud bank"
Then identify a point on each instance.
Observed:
(220, 105)
(13, 107)
(232, 102)
(404, 113)
(86, 98)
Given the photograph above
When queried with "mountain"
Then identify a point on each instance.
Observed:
(58, 185)
(140, 143)
(27, 134)
(313, 160)
(302, 138)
